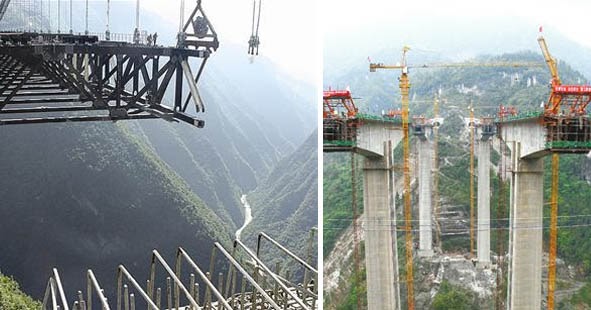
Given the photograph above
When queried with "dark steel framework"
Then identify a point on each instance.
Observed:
(47, 78)
(247, 282)
(567, 134)
(3, 6)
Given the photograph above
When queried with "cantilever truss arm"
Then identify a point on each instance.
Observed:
(124, 81)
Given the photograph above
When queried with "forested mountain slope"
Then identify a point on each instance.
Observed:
(485, 89)
(81, 196)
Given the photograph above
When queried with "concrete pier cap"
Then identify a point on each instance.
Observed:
(529, 136)
(372, 134)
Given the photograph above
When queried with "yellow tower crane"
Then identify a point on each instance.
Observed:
(552, 108)
(404, 85)
(555, 99)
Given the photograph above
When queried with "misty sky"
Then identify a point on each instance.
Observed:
(567, 17)
(288, 31)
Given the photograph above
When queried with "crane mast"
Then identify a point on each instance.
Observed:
(559, 94)
(404, 85)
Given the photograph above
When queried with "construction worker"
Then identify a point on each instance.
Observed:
(136, 36)
(155, 37)
(149, 39)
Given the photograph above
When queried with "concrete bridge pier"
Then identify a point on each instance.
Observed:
(483, 224)
(379, 258)
(375, 141)
(425, 153)
(527, 139)
(526, 213)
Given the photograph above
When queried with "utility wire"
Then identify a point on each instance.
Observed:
(449, 219)
(534, 227)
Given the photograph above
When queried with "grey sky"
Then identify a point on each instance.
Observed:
(568, 17)
(288, 32)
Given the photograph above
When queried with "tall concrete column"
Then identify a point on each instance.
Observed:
(425, 150)
(393, 226)
(378, 235)
(483, 228)
(526, 214)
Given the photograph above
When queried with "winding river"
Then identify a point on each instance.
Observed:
(247, 216)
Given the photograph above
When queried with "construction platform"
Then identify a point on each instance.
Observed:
(363, 134)
(541, 134)
(245, 282)
(56, 77)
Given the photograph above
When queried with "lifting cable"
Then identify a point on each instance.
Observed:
(253, 42)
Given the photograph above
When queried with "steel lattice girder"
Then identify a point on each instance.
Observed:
(127, 81)
(49, 77)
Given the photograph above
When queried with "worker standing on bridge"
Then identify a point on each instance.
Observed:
(155, 37)
(149, 39)
(136, 36)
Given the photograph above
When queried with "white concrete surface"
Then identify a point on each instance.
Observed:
(425, 150)
(483, 224)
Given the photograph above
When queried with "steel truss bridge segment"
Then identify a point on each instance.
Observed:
(245, 283)
(47, 78)
(3, 6)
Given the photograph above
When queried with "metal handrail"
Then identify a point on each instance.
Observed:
(308, 268)
(178, 284)
(91, 282)
(60, 288)
(270, 273)
(245, 274)
(284, 249)
(121, 271)
(181, 253)
(53, 288)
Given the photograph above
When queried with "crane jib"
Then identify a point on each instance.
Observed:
(572, 89)
(337, 94)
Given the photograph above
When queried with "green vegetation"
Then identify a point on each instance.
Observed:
(486, 89)
(191, 207)
(96, 187)
(358, 289)
(574, 211)
(452, 297)
(337, 212)
(583, 296)
(285, 206)
(12, 298)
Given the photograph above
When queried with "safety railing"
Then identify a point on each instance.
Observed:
(290, 295)
(249, 284)
(520, 116)
(310, 279)
(385, 118)
(54, 293)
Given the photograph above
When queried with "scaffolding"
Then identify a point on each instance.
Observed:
(248, 281)
(340, 121)
(340, 132)
(568, 133)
